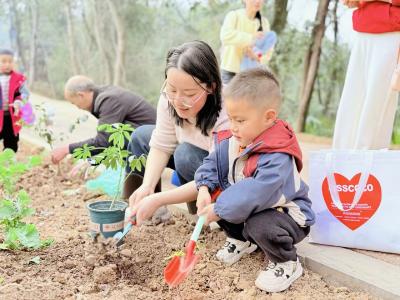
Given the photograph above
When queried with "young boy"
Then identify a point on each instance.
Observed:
(12, 87)
(256, 164)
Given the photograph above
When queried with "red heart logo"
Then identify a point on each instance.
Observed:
(363, 210)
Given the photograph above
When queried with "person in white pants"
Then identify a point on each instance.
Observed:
(368, 105)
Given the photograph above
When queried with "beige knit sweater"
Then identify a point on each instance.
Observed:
(167, 135)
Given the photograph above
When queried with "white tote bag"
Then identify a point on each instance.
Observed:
(356, 199)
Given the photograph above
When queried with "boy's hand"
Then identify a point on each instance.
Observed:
(16, 112)
(203, 199)
(211, 216)
(17, 107)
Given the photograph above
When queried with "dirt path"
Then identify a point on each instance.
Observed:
(76, 268)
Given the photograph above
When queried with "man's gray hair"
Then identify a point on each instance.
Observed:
(79, 83)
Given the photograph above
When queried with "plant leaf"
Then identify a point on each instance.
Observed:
(28, 235)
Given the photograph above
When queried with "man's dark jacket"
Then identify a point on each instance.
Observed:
(113, 104)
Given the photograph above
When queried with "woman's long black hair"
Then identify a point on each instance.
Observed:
(258, 16)
(197, 59)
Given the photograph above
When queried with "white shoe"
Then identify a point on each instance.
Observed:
(279, 276)
(233, 250)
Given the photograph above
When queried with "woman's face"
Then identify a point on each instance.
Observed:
(185, 94)
(254, 5)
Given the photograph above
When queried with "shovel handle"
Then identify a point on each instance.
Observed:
(197, 229)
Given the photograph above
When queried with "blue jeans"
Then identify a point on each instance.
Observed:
(185, 160)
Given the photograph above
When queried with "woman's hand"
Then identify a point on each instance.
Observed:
(138, 195)
(144, 209)
(351, 3)
(248, 51)
(258, 35)
(203, 199)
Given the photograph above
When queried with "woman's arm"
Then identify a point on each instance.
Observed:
(162, 145)
(145, 209)
(182, 194)
(156, 162)
(356, 3)
(387, 1)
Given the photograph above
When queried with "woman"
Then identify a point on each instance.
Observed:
(368, 104)
(239, 32)
(189, 110)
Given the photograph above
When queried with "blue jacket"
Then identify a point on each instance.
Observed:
(273, 182)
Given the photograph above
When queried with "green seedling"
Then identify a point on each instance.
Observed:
(114, 156)
(14, 205)
(199, 246)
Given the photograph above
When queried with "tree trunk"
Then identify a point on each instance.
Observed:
(15, 34)
(106, 62)
(34, 8)
(71, 43)
(312, 63)
(331, 88)
(87, 27)
(280, 16)
(120, 53)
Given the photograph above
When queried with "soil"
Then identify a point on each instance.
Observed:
(76, 267)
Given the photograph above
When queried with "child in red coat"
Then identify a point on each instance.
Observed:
(12, 88)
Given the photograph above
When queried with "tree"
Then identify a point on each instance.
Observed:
(120, 47)
(15, 33)
(106, 61)
(312, 63)
(71, 41)
(34, 9)
(280, 16)
(334, 70)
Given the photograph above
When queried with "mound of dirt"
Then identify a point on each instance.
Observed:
(76, 267)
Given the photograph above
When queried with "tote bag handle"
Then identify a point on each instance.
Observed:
(367, 165)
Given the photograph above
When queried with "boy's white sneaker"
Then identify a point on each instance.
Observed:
(279, 276)
(233, 250)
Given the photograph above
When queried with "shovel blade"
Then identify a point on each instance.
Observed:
(179, 268)
(119, 236)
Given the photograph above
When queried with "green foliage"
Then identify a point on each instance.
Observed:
(14, 205)
(114, 156)
(11, 170)
(322, 126)
(151, 29)
(43, 125)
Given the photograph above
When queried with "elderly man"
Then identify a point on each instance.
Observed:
(110, 104)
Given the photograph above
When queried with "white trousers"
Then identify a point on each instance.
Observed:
(367, 107)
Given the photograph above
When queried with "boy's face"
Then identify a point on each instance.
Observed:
(248, 121)
(6, 63)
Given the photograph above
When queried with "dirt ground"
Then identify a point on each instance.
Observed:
(75, 267)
